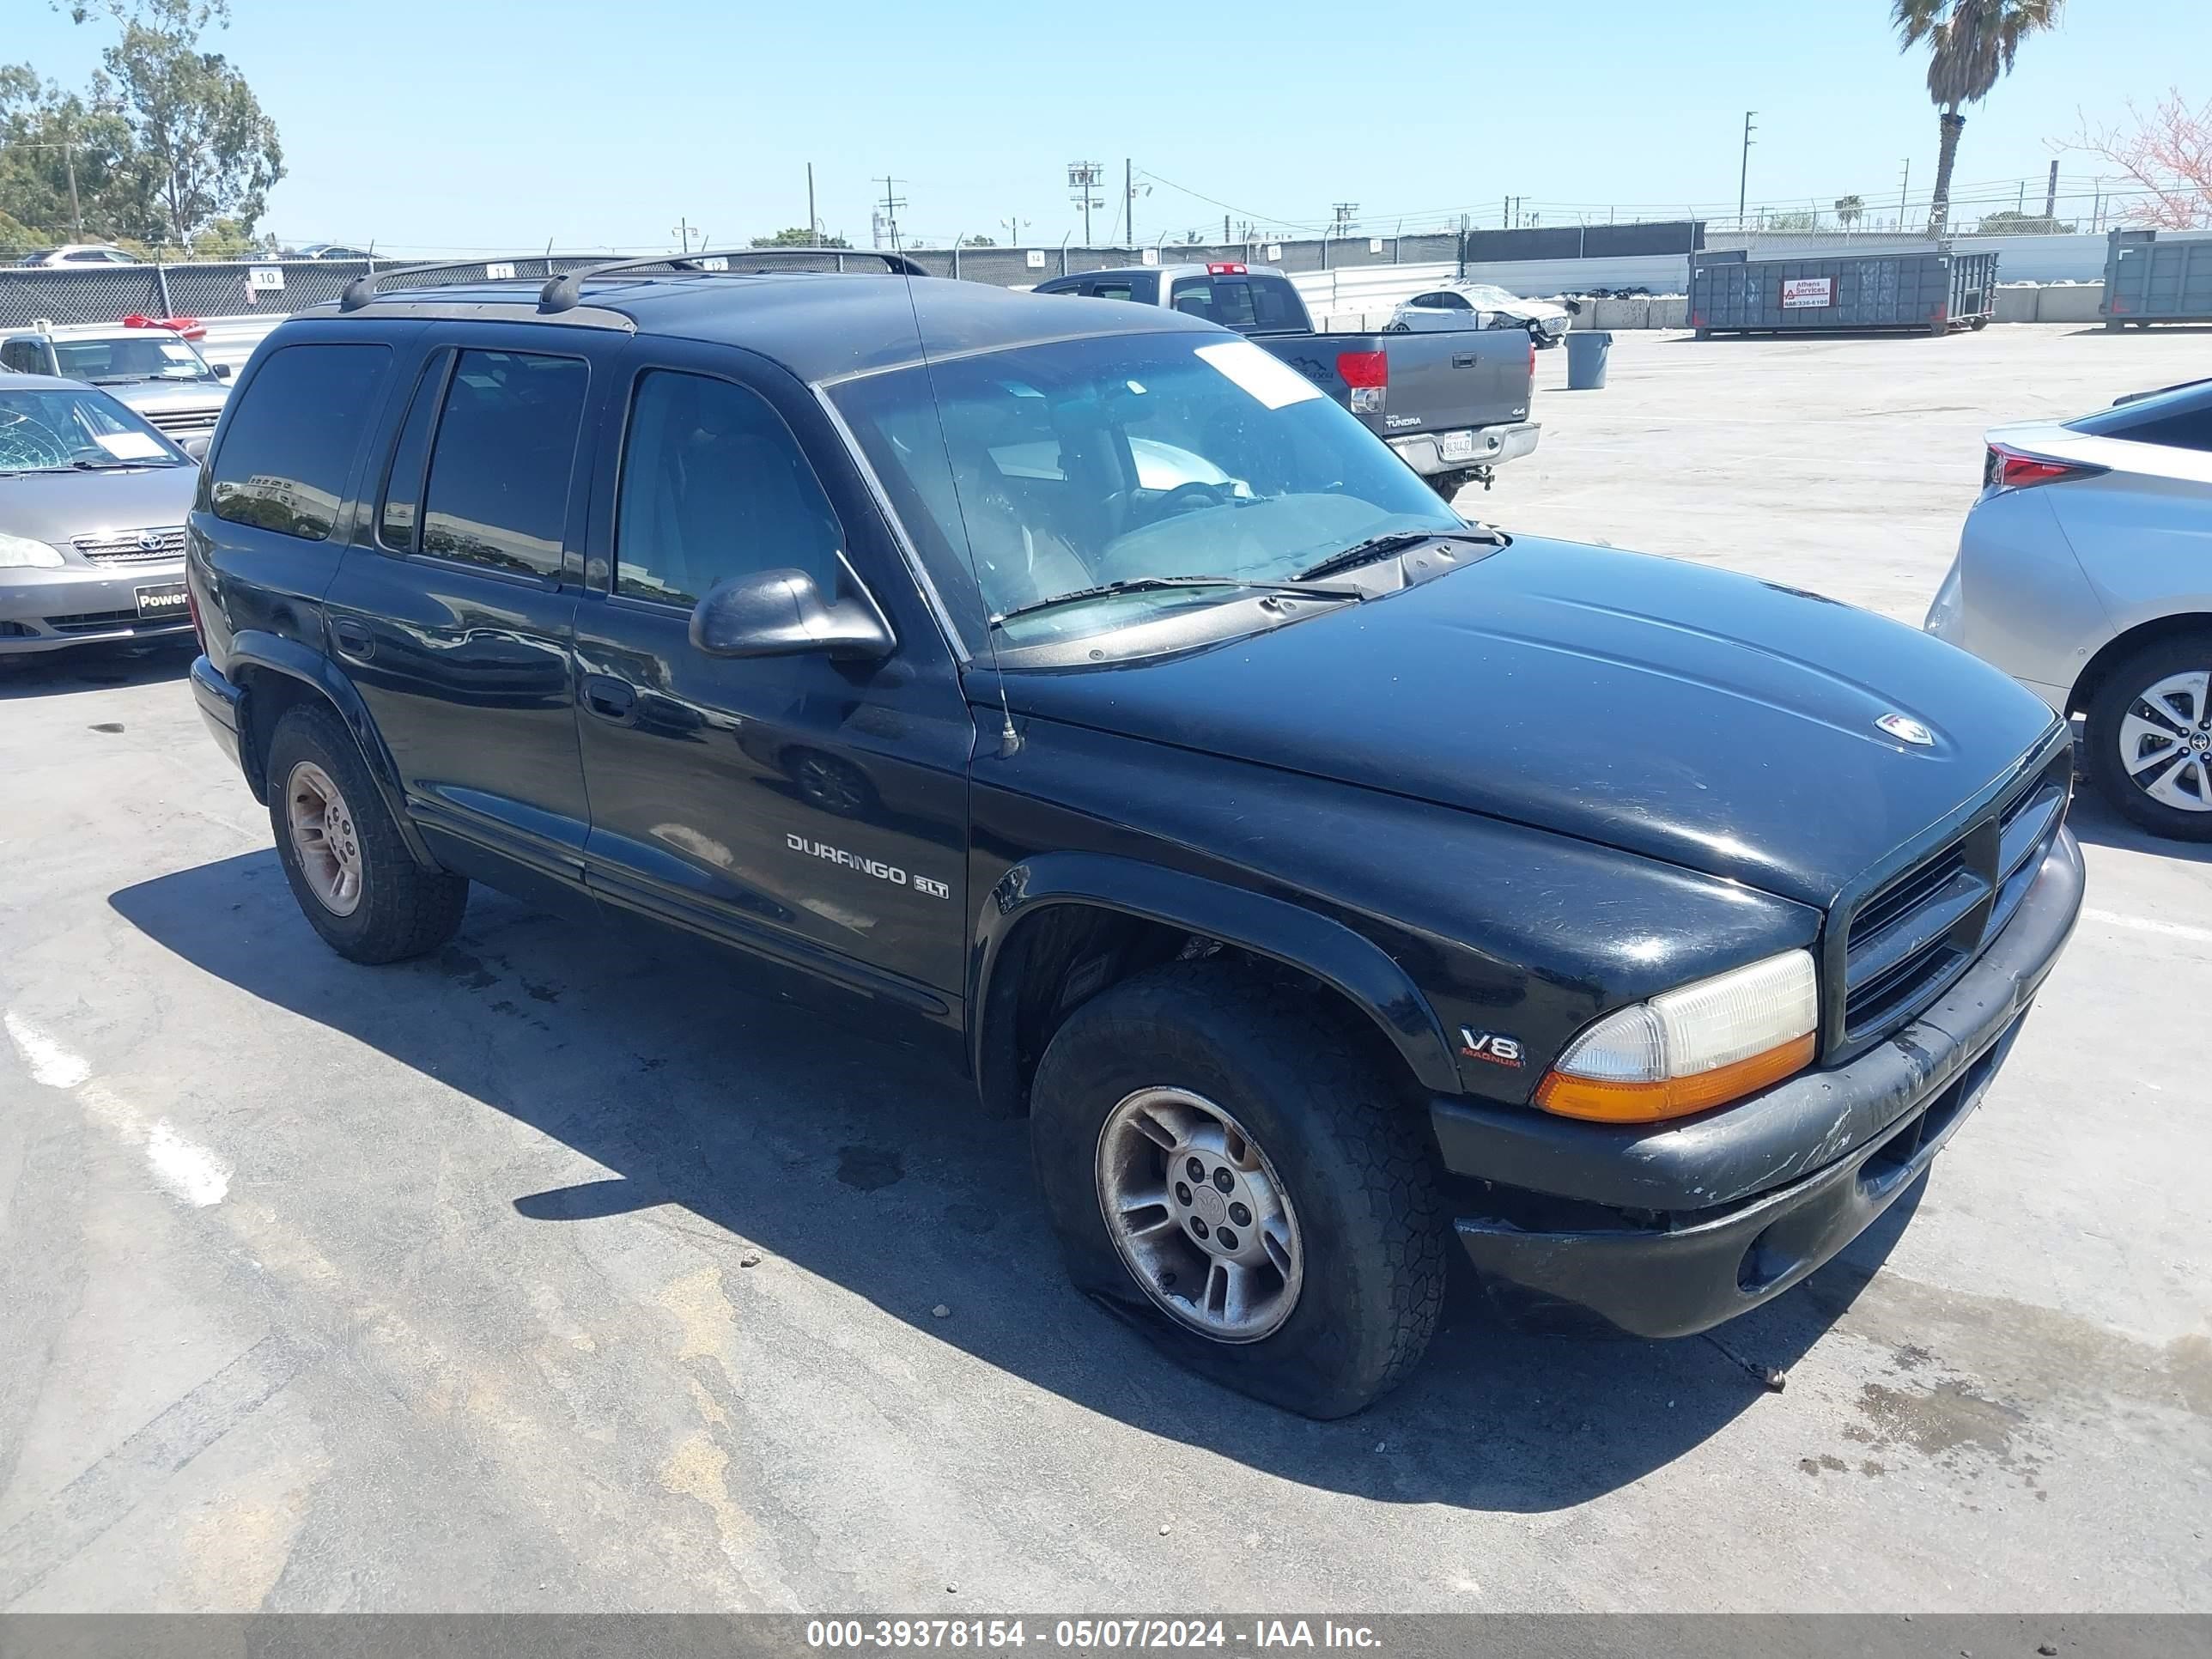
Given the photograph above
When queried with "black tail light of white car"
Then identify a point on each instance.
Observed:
(2004, 468)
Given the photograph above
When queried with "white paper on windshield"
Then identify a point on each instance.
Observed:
(130, 446)
(1275, 385)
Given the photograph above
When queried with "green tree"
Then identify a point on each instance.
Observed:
(1971, 47)
(204, 151)
(799, 236)
(2011, 223)
(64, 161)
(977, 241)
(1848, 210)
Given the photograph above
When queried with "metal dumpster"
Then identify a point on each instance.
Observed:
(2157, 276)
(1731, 293)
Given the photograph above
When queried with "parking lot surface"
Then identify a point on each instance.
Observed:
(559, 1272)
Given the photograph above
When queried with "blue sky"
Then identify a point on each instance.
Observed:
(435, 124)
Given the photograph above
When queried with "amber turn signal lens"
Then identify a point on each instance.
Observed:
(1607, 1101)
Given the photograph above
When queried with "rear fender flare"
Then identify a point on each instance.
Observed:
(1349, 962)
(274, 654)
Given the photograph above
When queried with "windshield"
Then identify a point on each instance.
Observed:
(56, 429)
(1074, 465)
(107, 361)
(1490, 297)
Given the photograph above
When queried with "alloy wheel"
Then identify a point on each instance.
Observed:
(1202, 1219)
(324, 838)
(2165, 741)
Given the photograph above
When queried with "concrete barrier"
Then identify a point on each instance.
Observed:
(2068, 302)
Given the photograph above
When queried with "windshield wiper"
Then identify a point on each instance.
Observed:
(119, 466)
(1147, 584)
(1393, 541)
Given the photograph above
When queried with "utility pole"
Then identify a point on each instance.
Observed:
(1083, 178)
(1902, 191)
(891, 205)
(68, 162)
(2050, 194)
(1129, 199)
(1743, 174)
(813, 224)
(683, 228)
(1014, 230)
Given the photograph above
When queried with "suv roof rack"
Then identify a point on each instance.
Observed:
(562, 292)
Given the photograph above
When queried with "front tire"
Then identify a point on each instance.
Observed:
(356, 882)
(1303, 1263)
(2150, 737)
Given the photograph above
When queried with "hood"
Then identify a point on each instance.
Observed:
(167, 396)
(1712, 721)
(53, 507)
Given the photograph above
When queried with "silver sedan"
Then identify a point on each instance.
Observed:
(93, 501)
(2085, 572)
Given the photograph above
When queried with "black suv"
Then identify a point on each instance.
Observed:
(1327, 877)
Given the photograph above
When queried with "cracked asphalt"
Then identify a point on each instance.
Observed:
(561, 1272)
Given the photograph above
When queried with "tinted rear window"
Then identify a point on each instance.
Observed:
(498, 491)
(292, 438)
(2181, 419)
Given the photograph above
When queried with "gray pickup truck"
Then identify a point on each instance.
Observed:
(1454, 406)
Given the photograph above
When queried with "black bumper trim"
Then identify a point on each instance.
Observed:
(1804, 1124)
(1675, 1283)
(218, 700)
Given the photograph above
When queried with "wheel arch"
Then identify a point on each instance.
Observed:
(1049, 918)
(276, 675)
(2120, 646)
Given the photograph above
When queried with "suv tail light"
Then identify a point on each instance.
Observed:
(1368, 374)
(2014, 469)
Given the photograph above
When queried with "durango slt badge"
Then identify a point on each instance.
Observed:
(1905, 729)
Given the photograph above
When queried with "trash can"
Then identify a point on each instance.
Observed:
(1587, 351)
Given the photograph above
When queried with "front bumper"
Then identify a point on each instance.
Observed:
(53, 608)
(1488, 446)
(1668, 1232)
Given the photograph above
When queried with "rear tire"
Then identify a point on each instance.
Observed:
(1360, 1230)
(2166, 738)
(357, 883)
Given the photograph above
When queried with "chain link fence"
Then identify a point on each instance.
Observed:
(278, 288)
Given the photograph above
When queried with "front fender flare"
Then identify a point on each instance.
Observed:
(1349, 963)
(256, 648)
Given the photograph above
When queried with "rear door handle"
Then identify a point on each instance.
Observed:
(610, 698)
(352, 638)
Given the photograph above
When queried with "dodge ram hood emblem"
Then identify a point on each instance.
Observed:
(1905, 729)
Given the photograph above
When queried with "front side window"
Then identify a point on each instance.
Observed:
(498, 488)
(1041, 471)
(291, 439)
(714, 485)
(67, 429)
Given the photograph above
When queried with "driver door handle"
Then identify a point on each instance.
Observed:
(610, 698)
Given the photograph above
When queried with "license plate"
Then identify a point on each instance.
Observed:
(161, 600)
(1458, 446)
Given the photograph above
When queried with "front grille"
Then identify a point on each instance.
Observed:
(173, 421)
(1912, 936)
(91, 622)
(134, 547)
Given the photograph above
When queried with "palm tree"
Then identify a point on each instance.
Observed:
(1970, 44)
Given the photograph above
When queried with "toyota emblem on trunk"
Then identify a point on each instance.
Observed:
(1905, 729)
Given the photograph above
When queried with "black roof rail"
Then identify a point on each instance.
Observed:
(362, 290)
(562, 292)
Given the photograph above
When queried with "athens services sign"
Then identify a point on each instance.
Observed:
(1806, 293)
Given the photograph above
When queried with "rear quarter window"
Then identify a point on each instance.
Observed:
(292, 435)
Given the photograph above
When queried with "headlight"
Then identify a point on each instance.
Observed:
(16, 551)
(1692, 1050)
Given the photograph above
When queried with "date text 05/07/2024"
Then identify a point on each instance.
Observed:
(1088, 1635)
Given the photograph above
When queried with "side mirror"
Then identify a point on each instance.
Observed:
(222, 371)
(780, 613)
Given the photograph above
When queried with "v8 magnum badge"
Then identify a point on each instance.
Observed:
(1493, 1046)
(867, 866)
